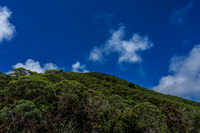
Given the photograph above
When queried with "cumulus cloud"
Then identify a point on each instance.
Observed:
(35, 66)
(178, 16)
(77, 67)
(50, 66)
(185, 78)
(127, 50)
(6, 28)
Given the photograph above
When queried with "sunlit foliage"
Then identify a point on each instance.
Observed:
(57, 101)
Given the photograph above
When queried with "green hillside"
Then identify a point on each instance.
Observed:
(64, 102)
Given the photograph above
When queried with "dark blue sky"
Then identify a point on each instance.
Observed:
(64, 34)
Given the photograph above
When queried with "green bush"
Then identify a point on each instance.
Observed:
(57, 101)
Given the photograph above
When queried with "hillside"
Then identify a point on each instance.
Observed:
(58, 101)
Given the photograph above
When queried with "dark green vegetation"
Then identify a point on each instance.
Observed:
(58, 101)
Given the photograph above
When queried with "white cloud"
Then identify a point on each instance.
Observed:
(178, 16)
(50, 66)
(35, 66)
(6, 28)
(96, 54)
(77, 67)
(127, 50)
(185, 80)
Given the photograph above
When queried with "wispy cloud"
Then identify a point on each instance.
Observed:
(77, 67)
(35, 66)
(185, 80)
(105, 17)
(96, 54)
(127, 50)
(179, 16)
(6, 28)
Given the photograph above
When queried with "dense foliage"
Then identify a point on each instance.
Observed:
(57, 101)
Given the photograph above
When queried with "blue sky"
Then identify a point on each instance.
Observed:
(148, 42)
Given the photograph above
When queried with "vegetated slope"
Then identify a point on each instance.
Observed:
(58, 101)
